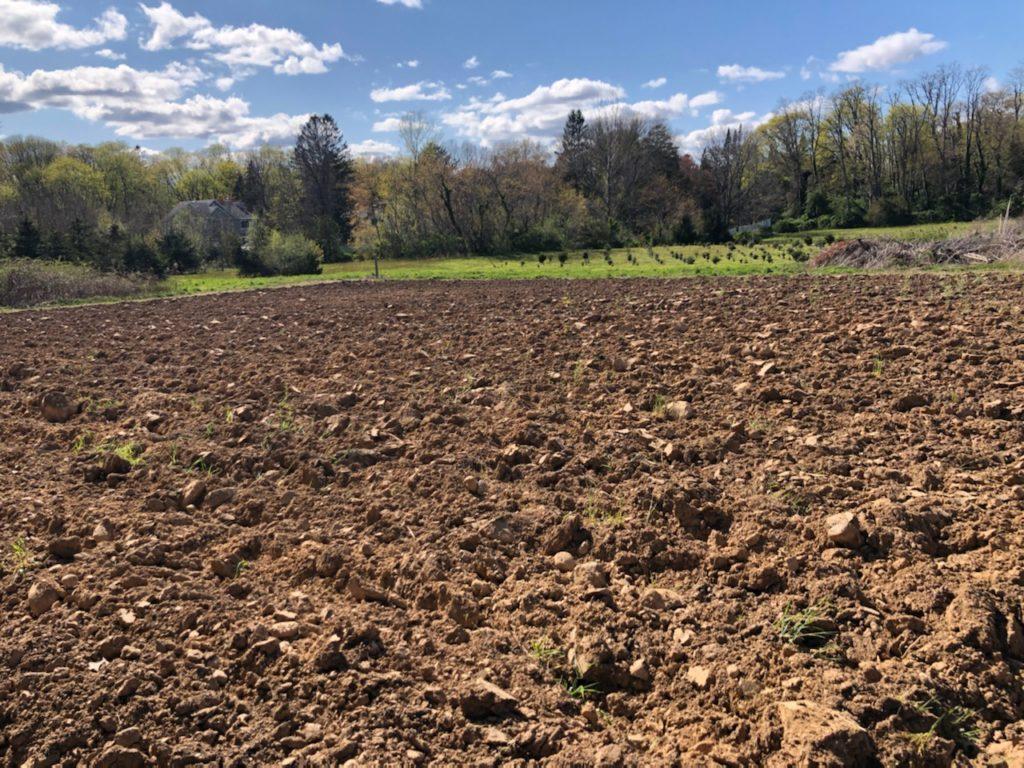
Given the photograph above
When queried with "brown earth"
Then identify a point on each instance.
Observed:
(703, 522)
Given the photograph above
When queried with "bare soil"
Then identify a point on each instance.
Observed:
(703, 522)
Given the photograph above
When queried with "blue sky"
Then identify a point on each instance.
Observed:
(183, 73)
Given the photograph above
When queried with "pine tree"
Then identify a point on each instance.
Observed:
(572, 157)
(26, 240)
(325, 168)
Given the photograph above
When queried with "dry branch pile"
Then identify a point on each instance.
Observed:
(975, 248)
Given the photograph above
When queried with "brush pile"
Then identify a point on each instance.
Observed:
(975, 248)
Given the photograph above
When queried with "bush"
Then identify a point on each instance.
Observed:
(178, 253)
(281, 255)
(141, 258)
(26, 283)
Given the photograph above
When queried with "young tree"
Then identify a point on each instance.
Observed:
(325, 169)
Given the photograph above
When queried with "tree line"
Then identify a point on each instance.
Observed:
(948, 145)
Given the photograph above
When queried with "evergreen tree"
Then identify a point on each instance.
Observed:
(572, 157)
(26, 240)
(325, 169)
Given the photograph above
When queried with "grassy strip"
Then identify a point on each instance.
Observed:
(775, 256)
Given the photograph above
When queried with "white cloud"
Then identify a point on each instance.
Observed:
(722, 120)
(406, 3)
(106, 53)
(422, 91)
(387, 125)
(242, 48)
(708, 99)
(657, 82)
(33, 25)
(500, 74)
(740, 74)
(411, 64)
(146, 104)
(541, 113)
(471, 63)
(991, 85)
(372, 148)
(888, 51)
(225, 83)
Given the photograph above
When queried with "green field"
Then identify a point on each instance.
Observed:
(773, 256)
(914, 232)
(769, 258)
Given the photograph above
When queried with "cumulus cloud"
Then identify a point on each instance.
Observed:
(146, 104)
(106, 53)
(33, 25)
(740, 74)
(657, 82)
(371, 148)
(406, 3)
(500, 74)
(471, 63)
(242, 48)
(411, 64)
(722, 120)
(387, 125)
(888, 51)
(422, 91)
(541, 113)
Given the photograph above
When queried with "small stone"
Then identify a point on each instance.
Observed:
(910, 402)
(678, 410)
(870, 672)
(844, 530)
(57, 408)
(564, 561)
(219, 678)
(471, 484)
(328, 656)
(41, 597)
(610, 756)
(592, 574)
(120, 757)
(659, 599)
(111, 647)
(193, 493)
(639, 670)
(65, 548)
(285, 630)
(129, 737)
(219, 497)
(487, 700)
(813, 734)
(702, 677)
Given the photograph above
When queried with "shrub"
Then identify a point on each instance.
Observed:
(25, 283)
(178, 253)
(141, 258)
(281, 255)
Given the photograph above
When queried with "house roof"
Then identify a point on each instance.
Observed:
(232, 208)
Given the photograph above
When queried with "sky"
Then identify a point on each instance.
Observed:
(179, 73)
